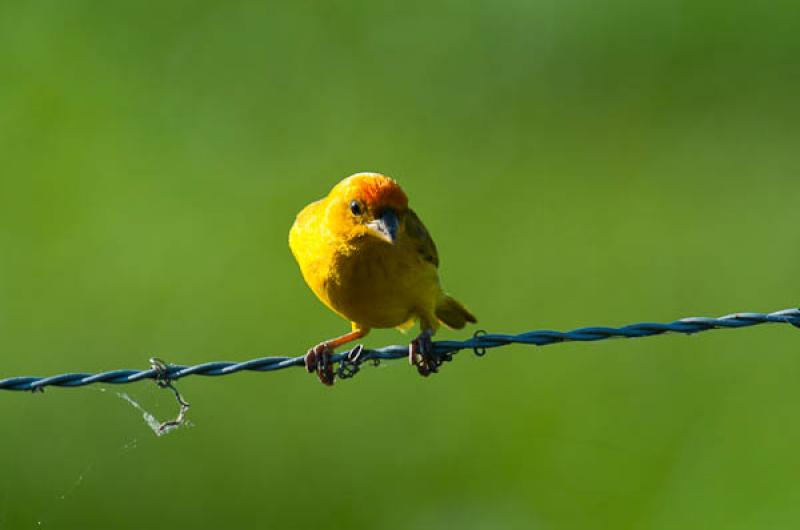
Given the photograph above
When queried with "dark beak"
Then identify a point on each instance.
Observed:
(385, 227)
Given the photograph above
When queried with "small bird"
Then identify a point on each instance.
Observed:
(368, 257)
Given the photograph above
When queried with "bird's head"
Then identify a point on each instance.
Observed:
(368, 204)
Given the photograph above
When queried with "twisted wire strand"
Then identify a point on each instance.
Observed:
(349, 361)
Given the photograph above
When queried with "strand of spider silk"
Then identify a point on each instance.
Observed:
(479, 343)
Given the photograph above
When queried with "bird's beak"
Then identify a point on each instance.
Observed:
(385, 227)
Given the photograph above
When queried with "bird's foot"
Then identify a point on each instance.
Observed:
(318, 359)
(421, 355)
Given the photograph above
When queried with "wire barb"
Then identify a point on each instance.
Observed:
(479, 351)
(164, 380)
(349, 363)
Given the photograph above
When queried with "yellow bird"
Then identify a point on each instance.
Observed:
(368, 257)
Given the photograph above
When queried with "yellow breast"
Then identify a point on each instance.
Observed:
(367, 281)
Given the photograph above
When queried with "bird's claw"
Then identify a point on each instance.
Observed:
(318, 359)
(421, 355)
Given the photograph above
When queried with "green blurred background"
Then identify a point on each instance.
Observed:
(578, 163)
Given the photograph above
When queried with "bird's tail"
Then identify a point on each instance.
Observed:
(452, 313)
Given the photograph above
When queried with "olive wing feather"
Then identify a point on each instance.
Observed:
(422, 238)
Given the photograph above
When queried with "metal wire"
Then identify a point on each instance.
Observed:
(349, 362)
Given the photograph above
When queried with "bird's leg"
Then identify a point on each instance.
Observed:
(420, 354)
(318, 358)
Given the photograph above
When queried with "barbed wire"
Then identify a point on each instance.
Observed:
(350, 362)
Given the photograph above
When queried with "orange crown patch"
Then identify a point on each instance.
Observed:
(378, 190)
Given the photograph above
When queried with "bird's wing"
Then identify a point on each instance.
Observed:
(421, 238)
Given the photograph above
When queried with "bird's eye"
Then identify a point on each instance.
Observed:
(355, 208)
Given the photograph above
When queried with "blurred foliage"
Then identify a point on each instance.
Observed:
(578, 164)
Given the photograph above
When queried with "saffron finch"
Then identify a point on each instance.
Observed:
(368, 257)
